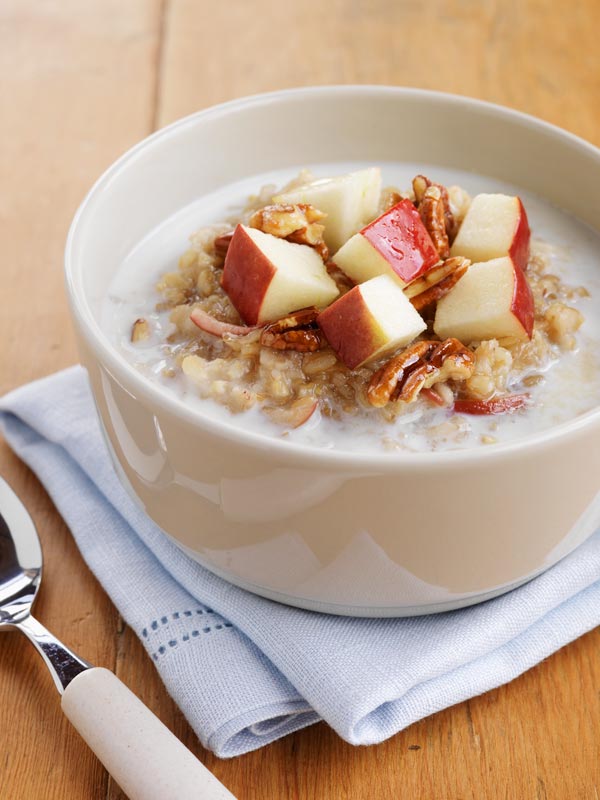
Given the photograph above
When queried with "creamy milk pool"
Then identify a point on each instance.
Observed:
(571, 386)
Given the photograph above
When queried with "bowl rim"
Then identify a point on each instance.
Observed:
(170, 402)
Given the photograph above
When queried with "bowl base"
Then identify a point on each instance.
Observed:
(374, 611)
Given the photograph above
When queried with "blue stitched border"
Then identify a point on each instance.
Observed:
(156, 624)
(176, 615)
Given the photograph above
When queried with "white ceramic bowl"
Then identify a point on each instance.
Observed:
(375, 535)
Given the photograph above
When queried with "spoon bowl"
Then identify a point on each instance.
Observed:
(20, 559)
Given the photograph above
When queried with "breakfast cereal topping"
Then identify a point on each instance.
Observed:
(222, 243)
(431, 210)
(293, 332)
(419, 367)
(436, 283)
(434, 308)
(298, 319)
(299, 223)
(429, 203)
(301, 340)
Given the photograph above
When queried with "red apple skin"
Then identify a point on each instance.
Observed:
(523, 306)
(497, 405)
(305, 413)
(519, 249)
(247, 273)
(401, 238)
(345, 324)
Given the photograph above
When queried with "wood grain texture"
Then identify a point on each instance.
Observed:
(82, 81)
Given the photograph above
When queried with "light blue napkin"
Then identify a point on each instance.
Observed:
(246, 671)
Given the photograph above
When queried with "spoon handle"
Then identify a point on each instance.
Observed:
(142, 755)
(62, 662)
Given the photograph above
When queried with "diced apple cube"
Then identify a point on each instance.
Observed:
(267, 278)
(495, 225)
(349, 201)
(369, 321)
(395, 244)
(491, 301)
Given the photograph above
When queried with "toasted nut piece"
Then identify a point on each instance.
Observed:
(282, 219)
(385, 381)
(222, 243)
(299, 223)
(304, 237)
(301, 340)
(419, 367)
(435, 293)
(431, 211)
(435, 275)
(450, 360)
(293, 332)
(436, 283)
(342, 281)
(420, 186)
(297, 319)
(140, 330)
(389, 198)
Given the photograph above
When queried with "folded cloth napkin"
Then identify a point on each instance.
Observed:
(246, 671)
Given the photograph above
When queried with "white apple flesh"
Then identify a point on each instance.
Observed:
(491, 301)
(495, 225)
(349, 201)
(369, 321)
(267, 278)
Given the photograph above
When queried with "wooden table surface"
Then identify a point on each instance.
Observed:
(83, 80)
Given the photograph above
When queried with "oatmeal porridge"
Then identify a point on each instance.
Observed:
(426, 310)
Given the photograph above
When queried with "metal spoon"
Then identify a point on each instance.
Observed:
(143, 756)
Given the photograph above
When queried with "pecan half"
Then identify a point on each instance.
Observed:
(299, 223)
(301, 340)
(420, 186)
(389, 198)
(431, 211)
(435, 275)
(221, 244)
(419, 367)
(293, 332)
(436, 283)
(297, 319)
(384, 382)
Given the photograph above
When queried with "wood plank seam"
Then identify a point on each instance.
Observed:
(163, 22)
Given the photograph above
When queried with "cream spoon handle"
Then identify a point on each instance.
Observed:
(143, 756)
